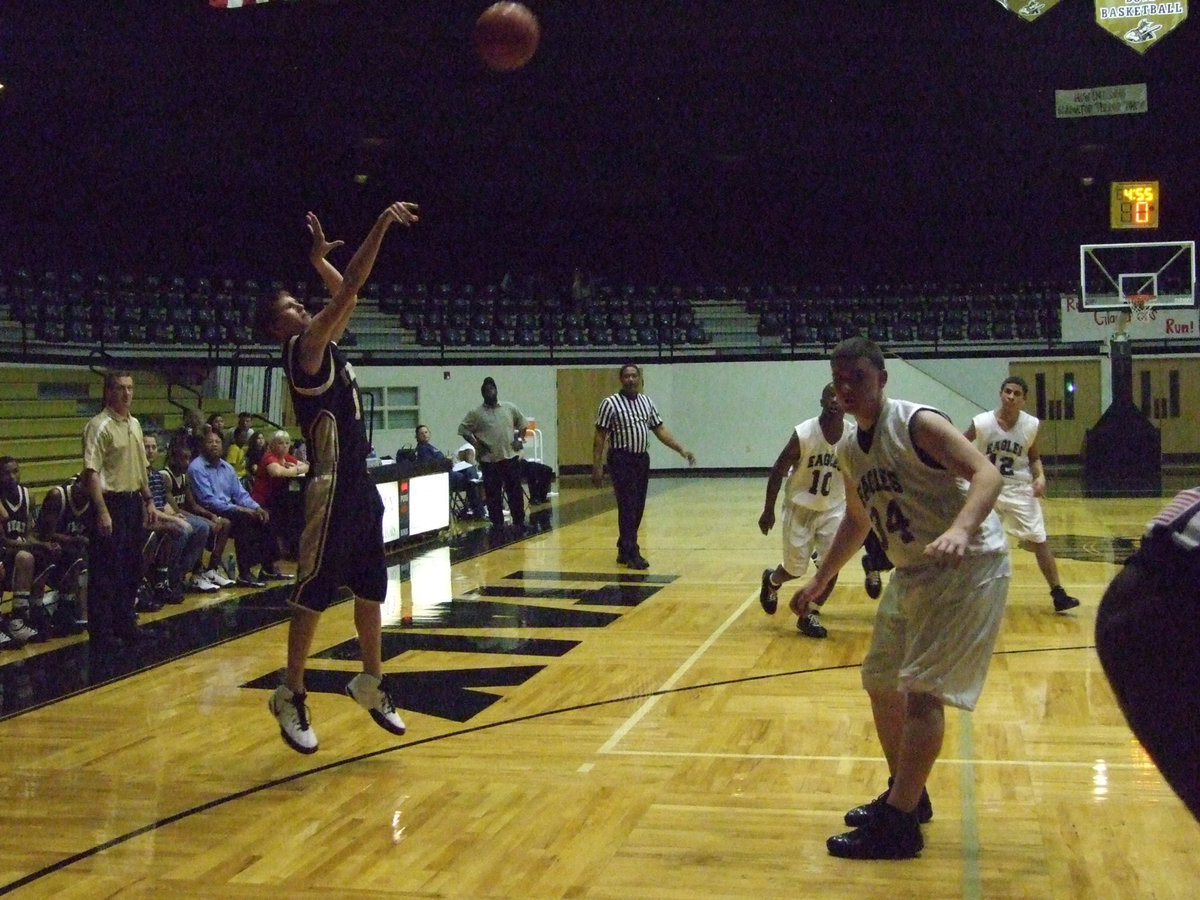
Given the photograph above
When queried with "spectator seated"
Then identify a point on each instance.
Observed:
(276, 489)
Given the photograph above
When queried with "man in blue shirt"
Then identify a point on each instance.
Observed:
(217, 488)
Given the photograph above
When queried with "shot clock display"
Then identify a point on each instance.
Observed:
(1133, 204)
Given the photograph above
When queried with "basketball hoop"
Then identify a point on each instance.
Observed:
(1140, 306)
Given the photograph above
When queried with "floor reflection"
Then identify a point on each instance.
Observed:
(37, 675)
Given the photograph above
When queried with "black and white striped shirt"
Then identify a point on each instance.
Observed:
(627, 421)
(1179, 522)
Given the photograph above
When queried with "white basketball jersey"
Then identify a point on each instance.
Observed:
(910, 501)
(815, 482)
(1008, 449)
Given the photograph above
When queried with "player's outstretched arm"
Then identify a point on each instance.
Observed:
(318, 255)
(330, 323)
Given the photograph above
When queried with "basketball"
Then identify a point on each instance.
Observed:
(506, 36)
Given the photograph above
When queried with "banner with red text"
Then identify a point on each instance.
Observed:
(1163, 323)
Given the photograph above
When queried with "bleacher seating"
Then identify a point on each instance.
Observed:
(43, 411)
(128, 309)
(214, 314)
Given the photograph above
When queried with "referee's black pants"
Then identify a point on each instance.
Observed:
(630, 473)
(115, 568)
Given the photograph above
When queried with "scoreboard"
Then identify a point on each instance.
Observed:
(1133, 204)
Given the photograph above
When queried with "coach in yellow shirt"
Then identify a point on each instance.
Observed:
(114, 475)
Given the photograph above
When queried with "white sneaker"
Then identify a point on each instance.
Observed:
(368, 692)
(292, 715)
(199, 583)
(19, 631)
(217, 578)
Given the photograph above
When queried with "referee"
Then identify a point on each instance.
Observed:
(623, 420)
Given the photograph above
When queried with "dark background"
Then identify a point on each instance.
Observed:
(881, 140)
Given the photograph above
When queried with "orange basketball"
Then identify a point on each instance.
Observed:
(506, 36)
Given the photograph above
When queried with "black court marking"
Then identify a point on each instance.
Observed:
(38, 680)
(398, 642)
(548, 575)
(444, 693)
(1089, 548)
(499, 620)
(609, 595)
(128, 836)
(463, 613)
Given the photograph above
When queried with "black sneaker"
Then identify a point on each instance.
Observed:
(768, 594)
(637, 562)
(810, 626)
(39, 619)
(1062, 600)
(63, 618)
(145, 600)
(873, 583)
(861, 815)
(890, 834)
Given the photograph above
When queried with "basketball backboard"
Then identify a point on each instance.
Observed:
(1164, 272)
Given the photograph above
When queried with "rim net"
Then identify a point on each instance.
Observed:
(1140, 306)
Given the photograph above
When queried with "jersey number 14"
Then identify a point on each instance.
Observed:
(897, 524)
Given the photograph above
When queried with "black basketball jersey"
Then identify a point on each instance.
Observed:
(176, 486)
(329, 411)
(16, 522)
(73, 519)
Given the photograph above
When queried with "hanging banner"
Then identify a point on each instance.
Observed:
(1139, 25)
(1029, 9)
(1113, 100)
(1169, 323)
(233, 4)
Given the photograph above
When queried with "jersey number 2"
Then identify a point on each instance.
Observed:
(1003, 463)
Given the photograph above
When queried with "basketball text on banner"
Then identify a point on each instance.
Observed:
(1029, 9)
(1139, 25)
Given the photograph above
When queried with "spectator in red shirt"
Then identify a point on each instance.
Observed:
(272, 490)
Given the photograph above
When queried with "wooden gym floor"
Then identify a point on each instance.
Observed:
(577, 730)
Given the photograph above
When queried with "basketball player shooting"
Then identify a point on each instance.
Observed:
(342, 542)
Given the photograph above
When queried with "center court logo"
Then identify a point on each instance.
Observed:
(500, 625)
